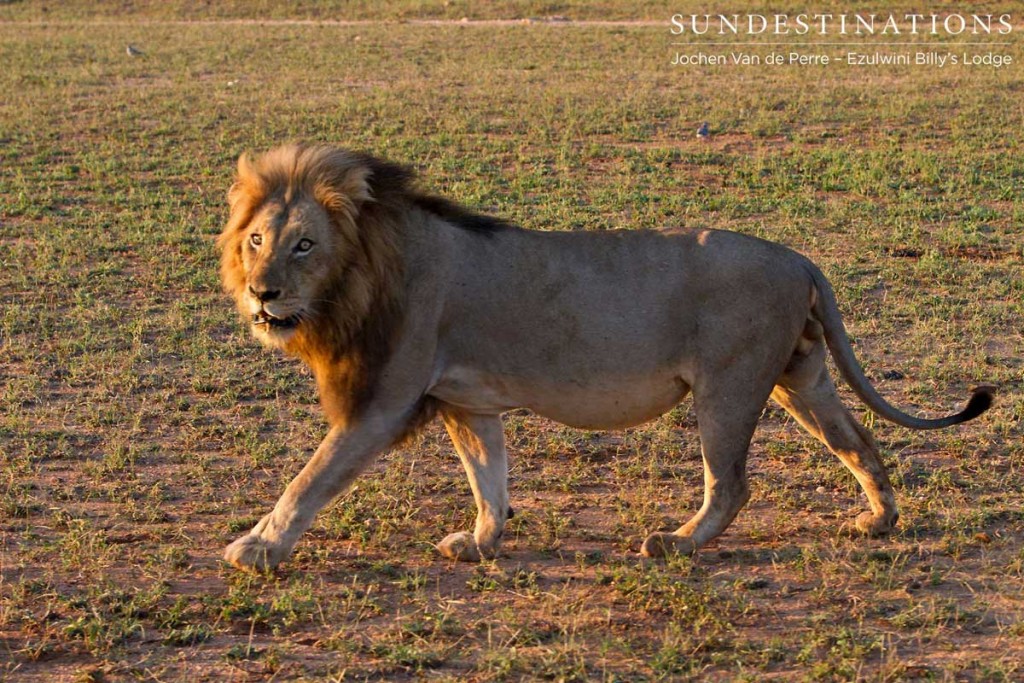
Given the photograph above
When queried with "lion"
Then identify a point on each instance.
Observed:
(407, 306)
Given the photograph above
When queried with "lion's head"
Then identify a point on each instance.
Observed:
(311, 255)
(292, 237)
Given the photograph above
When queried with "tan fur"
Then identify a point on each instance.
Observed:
(407, 304)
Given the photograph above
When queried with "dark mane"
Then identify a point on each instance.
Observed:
(391, 182)
(458, 215)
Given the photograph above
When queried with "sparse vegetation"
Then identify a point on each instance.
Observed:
(141, 429)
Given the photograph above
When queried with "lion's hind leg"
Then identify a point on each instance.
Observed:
(807, 392)
(480, 443)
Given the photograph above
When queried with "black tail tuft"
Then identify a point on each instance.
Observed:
(981, 400)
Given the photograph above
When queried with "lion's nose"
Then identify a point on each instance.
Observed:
(264, 294)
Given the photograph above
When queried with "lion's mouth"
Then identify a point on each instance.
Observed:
(264, 318)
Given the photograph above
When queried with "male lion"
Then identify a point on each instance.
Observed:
(405, 306)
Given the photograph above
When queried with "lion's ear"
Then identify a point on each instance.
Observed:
(345, 190)
(247, 181)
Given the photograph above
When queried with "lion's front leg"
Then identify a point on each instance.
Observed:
(342, 455)
(480, 443)
(259, 549)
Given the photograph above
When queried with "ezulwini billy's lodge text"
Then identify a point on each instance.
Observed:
(927, 58)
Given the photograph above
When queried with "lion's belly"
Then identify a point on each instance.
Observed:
(611, 403)
(616, 409)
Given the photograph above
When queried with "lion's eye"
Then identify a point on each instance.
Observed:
(303, 246)
(255, 239)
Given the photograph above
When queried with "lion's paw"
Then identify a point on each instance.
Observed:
(870, 524)
(253, 552)
(460, 546)
(662, 544)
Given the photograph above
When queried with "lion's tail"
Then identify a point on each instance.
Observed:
(827, 312)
